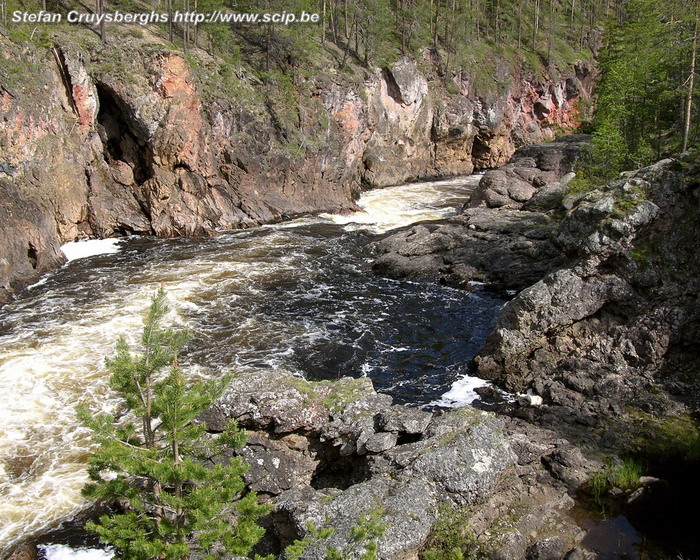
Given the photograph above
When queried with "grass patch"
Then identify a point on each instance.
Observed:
(334, 395)
(581, 184)
(627, 201)
(664, 440)
(641, 257)
(624, 476)
(452, 539)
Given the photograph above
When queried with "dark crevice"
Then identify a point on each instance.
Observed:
(405, 438)
(183, 166)
(341, 472)
(65, 77)
(480, 151)
(392, 88)
(32, 256)
(541, 111)
(121, 137)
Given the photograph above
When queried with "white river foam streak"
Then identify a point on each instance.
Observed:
(297, 296)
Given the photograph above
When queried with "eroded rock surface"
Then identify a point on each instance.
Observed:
(532, 171)
(505, 235)
(613, 325)
(360, 463)
(130, 139)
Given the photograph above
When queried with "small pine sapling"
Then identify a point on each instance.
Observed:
(150, 461)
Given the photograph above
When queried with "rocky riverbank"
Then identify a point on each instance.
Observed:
(337, 455)
(607, 300)
(599, 333)
(505, 235)
(131, 137)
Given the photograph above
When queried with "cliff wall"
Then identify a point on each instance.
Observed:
(133, 138)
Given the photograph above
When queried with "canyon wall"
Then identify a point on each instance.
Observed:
(126, 139)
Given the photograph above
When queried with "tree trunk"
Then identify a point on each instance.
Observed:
(100, 11)
(435, 27)
(170, 20)
(536, 24)
(691, 83)
(196, 25)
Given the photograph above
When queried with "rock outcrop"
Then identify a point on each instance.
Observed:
(608, 300)
(129, 138)
(615, 324)
(505, 234)
(535, 176)
(337, 455)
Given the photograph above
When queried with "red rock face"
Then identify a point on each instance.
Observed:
(89, 153)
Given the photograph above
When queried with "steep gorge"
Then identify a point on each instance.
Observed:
(109, 140)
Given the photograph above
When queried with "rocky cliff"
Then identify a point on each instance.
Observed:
(599, 342)
(131, 137)
(615, 327)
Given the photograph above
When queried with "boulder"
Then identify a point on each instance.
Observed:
(506, 249)
(274, 467)
(530, 169)
(401, 513)
(284, 404)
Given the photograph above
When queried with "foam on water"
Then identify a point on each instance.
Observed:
(395, 207)
(297, 297)
(82, 249)
(462, 393)
(63, 552)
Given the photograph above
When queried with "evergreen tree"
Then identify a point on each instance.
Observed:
(150, 461)
(645, 98)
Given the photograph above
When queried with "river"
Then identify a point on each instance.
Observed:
(297, 297)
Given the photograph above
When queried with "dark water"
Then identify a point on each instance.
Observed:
(297, 298)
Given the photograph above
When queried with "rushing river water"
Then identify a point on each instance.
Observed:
(298, 297)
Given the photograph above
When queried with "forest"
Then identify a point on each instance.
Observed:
(646, 51)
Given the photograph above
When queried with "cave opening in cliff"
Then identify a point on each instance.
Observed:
(120, 135)
(32, 256)
(481, 150)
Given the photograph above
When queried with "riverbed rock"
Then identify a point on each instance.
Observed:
(506, 249)
(505, 236)
(404, 420)
(282, 403)
(24, 552)
(274, 467)
(610, 329)
(371, 465)
(402, 512)
(531, 169)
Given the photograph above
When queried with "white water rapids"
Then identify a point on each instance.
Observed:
(234, 293)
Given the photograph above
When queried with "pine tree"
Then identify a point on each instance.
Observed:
(150, 461)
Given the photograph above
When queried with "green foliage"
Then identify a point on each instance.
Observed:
(666, 439)
(151, 460)
(580, 185)
(451, 539)
(624, 476)
(641, 95)
(363, 544)
(295, 551)
(641, 256)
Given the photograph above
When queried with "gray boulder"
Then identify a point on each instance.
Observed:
(401, 511)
